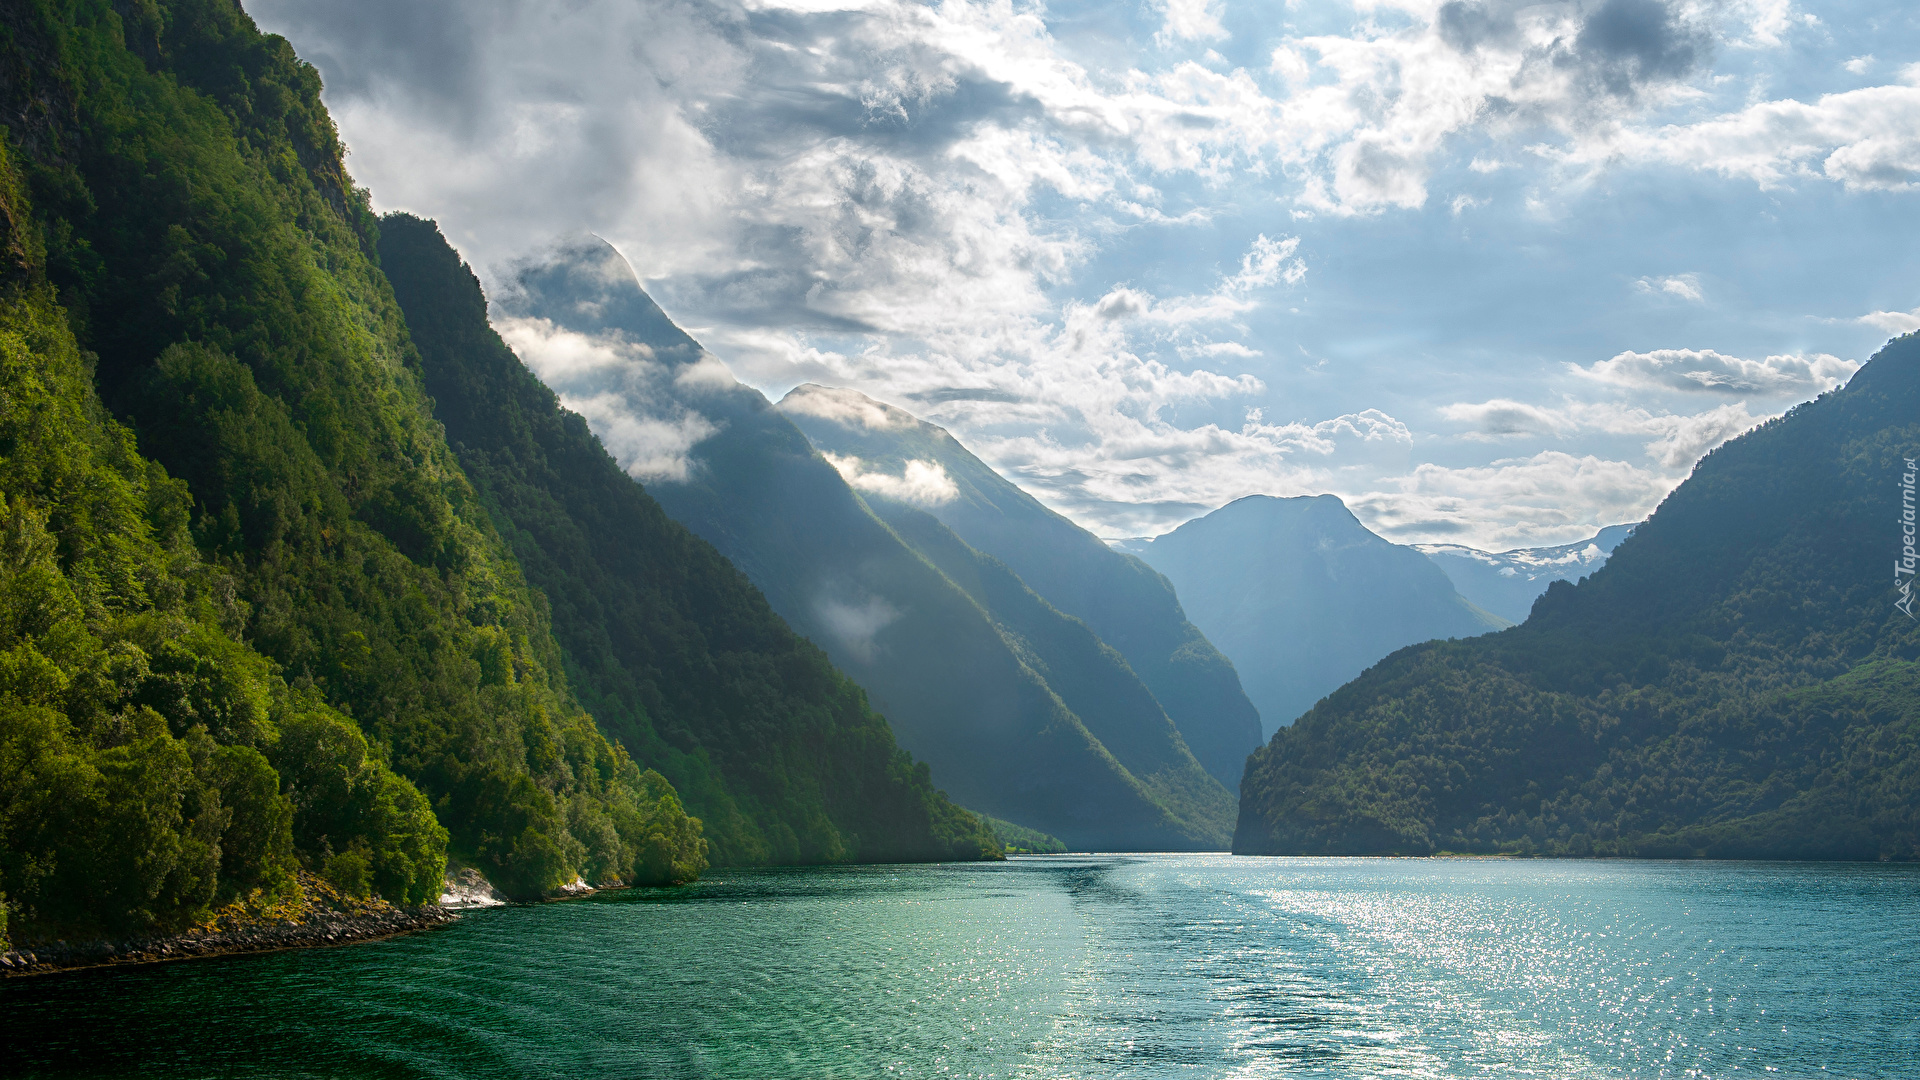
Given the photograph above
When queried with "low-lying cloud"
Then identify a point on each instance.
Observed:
(921, 483)
(1705, 371)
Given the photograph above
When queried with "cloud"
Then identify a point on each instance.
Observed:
(923, 200)
(1677, 440)
(1189, 20)
(1708, 372)
(1550, 497)
(922, 483)
(848, 408)
(1893, 322)
(1865, 140)
(1684, 286)
(856, 623)
(625, 393)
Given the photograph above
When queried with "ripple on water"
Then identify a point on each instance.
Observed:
(1064, 967)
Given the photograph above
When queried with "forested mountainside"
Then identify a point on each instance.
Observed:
(256, 618)
(1090, 678)
(1737, 680)
(1507, 583)
(1131, 607)
(958, 689)
(1302, 597)
(670, 647)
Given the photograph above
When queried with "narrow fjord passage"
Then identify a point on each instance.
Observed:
(1099, 966)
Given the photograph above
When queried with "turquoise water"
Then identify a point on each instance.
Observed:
(1120, 966)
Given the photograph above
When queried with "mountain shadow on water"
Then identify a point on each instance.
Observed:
(1737, 681)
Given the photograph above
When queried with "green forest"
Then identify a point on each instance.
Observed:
(1735, 681)
(257, 619)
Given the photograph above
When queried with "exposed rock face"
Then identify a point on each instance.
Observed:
(466, 889)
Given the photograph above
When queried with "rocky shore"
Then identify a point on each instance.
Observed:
(319, 915)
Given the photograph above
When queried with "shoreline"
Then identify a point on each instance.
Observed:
(323, 930)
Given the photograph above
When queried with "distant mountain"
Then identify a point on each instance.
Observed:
(960, 686)
(1302, 597)
(1507, 583)
(675, 652)
(891, 455)
(1738, 680)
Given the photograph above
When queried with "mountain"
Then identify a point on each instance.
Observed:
(889, 454)
(256, 620)
(673, 650)
(1506, 584)
(1738, 680)
(960, 686)
(1302, 597)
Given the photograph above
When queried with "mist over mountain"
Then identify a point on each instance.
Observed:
(889, 455)
(1507, 583)
(959, 684)
(1738, 680)
(1302, 597)
(675, 652)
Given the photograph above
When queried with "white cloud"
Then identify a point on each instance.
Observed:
(1867, 139)
(921, 483)
(626, 395)
(1550, 497)
(848, 408)
(1859, 64)
(1894, 322)
(1707, 371)
(1677, 440)
(855, 624)
(910, 198)
(1683, 286)
(1189, 20)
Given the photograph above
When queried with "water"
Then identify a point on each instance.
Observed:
(1062, 967)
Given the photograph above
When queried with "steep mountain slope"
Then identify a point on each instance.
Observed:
(1302, 597)
(1737, 680)
(201, 234)
(1090, 678)
(883, 451)
(957, 692)
(1508, 582)
(672, 648)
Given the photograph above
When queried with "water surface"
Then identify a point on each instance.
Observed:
(1063, 967)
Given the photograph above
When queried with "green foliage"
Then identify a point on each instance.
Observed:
(1735, 682)
(301, 515)
(672, 647)
(1020, 840)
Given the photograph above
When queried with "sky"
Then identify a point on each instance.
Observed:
(1497, 273)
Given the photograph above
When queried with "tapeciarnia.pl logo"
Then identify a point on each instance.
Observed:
(1904, 565)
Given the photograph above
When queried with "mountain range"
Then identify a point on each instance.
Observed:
(260, 622)
(1738, 680)
(1021, 710)
(1303, 597)
(1508, 582)
(882, 450)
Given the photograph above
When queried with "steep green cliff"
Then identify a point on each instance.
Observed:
(188, 261)
(1737, 680)
(672, 648)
